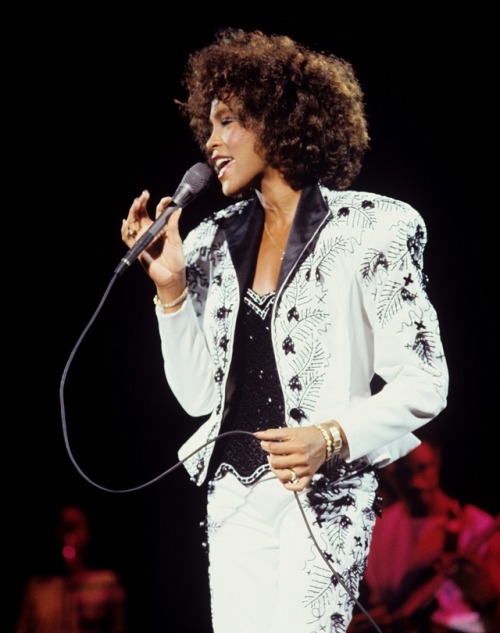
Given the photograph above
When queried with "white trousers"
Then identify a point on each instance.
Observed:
(266, 572)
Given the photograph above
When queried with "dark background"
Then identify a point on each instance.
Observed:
(94, 125)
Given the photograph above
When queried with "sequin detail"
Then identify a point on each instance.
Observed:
(257, 402)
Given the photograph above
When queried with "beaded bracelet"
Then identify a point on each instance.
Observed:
(337, 438)
(328, 441)
(165, 306)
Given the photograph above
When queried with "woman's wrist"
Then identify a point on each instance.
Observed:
(327, 436)
(335, 442)
(337, 439)
(171, 300)
(340, 446)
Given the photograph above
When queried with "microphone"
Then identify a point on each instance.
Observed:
(195, 180)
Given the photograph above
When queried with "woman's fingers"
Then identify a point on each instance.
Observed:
(128, 234)
(288, 467)
(137, 220)
(162, 205)
(292, 478)
(294, 454)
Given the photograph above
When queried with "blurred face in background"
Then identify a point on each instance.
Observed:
(73, 533)
(418, 476)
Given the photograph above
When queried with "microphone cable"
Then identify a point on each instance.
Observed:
(180, 462)
(333, 570)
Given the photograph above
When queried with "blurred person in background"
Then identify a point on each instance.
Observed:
(434, 563)
(74, 596)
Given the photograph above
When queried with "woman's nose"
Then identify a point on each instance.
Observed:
(212, 142)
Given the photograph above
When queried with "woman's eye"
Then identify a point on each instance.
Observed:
(227, 120)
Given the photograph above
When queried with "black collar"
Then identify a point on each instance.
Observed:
(244, 231)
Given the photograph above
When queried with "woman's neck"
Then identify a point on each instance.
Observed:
(278, 200)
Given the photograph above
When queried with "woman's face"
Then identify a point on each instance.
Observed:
(231, 148)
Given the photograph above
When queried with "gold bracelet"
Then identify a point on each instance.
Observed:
(337, 438)
(328, 441)
(165, 306)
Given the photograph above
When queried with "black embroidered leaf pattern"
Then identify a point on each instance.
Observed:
(373, 261)
(406, 251)
(301, 335)
(357, 212)
(318, 598)
(424, 346)
(392, 298)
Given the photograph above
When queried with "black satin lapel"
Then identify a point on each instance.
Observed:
(243, 234)
(311, 212)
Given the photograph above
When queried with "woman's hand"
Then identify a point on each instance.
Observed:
(300, 450)
(163, 259)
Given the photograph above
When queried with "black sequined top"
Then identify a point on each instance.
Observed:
(257, 402)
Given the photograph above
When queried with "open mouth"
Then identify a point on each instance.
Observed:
(222, 165)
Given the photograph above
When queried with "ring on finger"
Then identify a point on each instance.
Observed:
(132, 233)
(293, 478)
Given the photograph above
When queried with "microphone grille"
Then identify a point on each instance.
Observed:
(198, 177)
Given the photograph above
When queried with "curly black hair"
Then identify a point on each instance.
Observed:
(305, 107)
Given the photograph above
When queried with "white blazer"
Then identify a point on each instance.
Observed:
(351, 303)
